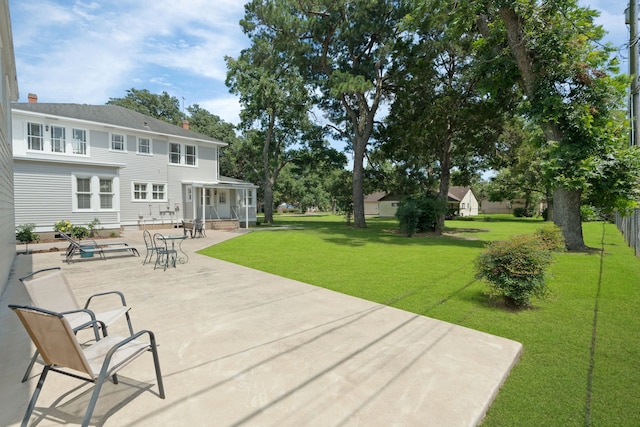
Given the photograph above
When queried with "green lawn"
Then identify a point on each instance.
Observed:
(581, 359)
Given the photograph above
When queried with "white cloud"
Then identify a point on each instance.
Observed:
(227, 108)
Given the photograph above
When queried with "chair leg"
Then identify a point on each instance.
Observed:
(156, 364)
(129, 322)
(30, 367)
(34, 398)
(93, 401)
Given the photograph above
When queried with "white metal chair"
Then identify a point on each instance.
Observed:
(49, 289)
(56, 341)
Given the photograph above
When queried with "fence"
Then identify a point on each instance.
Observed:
(630, 228)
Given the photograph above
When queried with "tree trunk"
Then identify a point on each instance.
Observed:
(445, 180)
(267, 189)
(566, 203)
(566, 208)
(358, 185)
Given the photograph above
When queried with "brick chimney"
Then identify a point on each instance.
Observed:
(185, 124)
(33, 98)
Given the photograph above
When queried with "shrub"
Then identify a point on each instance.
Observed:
(589, 214)
(65, 226)
(551, 238)
(523, 212)
(79, 232)
(426, 206)
(515, 269)
(408, 215)
(25, 234)
(93, 227)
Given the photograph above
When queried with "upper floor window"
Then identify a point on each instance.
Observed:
(144, 146)
(182, 154)
(106, 193)
(58, 139)
(190, 155)
(79, 141)
(83, 193)
(174, 153)
(117, 142)
(35, 136)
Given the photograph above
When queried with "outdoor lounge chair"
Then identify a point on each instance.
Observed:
(90, 247)
(49, 289)
(54, 338)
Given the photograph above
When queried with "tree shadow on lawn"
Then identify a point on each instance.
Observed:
(355, 238)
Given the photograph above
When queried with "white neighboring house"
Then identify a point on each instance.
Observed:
(8, 93)
(463, 201)
(80, 162)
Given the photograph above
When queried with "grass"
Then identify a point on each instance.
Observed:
(581, 344)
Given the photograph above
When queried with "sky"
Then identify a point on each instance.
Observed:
(72, 51)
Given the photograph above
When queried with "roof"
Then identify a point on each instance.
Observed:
(458, 193)
(374, 197)
(113, 115)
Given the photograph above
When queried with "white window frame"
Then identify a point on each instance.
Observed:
(95, 192)
(149, 146)
(173, 155)
(149, 192)
(33, 139)
(158, 189)
(110, 193)
(80, 147)
(190, 159)
(118, 145)
(58, 141)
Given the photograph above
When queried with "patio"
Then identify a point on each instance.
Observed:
(242, 347)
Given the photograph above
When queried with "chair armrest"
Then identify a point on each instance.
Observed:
(120, 294)
(115, 347)
(93, 322)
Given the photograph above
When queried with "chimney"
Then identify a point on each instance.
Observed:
(185, 124)
(33, 98)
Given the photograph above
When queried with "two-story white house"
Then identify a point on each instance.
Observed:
(80, 162)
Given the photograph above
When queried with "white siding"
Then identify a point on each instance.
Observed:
(8, 93)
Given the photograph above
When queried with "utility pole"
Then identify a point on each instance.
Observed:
(634, 107)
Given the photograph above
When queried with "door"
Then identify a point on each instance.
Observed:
(222, 200)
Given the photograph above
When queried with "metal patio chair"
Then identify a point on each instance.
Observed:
(198, 228)
(56, 341)
(164, 255)
(151, 247)
(49, 289)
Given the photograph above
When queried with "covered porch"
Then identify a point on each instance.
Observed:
(228, 203)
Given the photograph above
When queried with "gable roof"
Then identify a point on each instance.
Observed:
(113, 115)
(374, 197)
(458, 193)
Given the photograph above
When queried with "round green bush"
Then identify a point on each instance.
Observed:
(515, 269)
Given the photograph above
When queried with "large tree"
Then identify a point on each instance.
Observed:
(572, 94)
(275, 108)
(444, 114)
(163, 107)
(344, 48)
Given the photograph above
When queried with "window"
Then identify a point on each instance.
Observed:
(190, 155)
(158, 192)
(143, 191)
(139, 191)
(106, 193)
(207, 197)
(83, 193)
(35, 136)
(58, 139)
(461, 205)
(174, 153)
(222, 197)
(79, 141)
(117, 142)
(249, 197)
(144, 146)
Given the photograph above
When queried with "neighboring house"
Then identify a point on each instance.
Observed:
(502, 207)
(381, 204)
(80, 162)
(8, 93)
(462, 201)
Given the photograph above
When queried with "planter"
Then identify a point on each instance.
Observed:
(86, 254)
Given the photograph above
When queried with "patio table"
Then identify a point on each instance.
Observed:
(184, 258)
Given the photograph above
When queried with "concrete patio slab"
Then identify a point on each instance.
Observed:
(239, 347)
